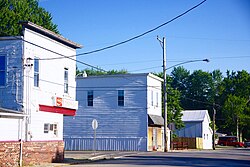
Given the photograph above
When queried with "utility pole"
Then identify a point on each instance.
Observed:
(163, 44)
(214, 113)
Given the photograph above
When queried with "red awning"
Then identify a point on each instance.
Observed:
(59, 110)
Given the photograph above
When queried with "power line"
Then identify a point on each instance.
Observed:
(135, 37)
(64, 56)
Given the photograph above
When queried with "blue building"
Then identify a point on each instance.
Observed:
(127, 108)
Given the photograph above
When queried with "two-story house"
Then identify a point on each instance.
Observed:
(36, 91)
(127, 108)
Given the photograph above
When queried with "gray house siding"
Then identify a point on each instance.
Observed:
(11, 94)
(191, 129)
(116, 130)
(119, 127)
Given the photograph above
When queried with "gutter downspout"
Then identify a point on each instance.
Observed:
(21, 153)
(24, 118)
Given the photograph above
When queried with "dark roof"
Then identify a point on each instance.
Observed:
(155, 120)
(50, 34)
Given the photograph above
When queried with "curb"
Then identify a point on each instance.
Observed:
(87, 160)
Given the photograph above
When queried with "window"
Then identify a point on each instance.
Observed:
(36, 72)
(2, 70)
(55, 129)
(90, 97)
(66, 80)
(152, 98)
(51, 128)
(120, 97)
(157, 99)
(46, 128)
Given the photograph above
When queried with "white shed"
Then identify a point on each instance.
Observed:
(197, 125)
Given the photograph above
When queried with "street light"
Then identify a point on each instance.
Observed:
(163, 45)
(189, 61)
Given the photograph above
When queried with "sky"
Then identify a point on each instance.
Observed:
(218, 30)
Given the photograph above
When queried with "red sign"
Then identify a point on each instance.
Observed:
(59, 101)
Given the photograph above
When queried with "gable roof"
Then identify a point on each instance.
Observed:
(194, 115)
(50, 34)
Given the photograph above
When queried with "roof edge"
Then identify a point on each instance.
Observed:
(50, 34)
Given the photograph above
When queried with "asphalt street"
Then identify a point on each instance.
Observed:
(212, 158)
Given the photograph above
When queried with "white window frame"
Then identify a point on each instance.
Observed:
(51, 128)
(66, 80)
(152, 98)
(36, 72)
(157, 99)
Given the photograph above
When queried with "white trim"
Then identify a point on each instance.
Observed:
(10, 113)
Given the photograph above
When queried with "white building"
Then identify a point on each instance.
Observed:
(36, 92)
(197, 125)
(128, 110)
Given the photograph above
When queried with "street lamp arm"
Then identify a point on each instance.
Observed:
(190, 61)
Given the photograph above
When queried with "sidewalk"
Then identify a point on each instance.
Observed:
(80, 157)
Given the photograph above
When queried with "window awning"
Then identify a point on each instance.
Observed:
(59, 110)
(155, 120)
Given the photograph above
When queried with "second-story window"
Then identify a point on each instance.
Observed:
(152, 98)
(157, 99)
(66, 80)
(90, 97)
(36, 72)
(120, 97)
(2, 70)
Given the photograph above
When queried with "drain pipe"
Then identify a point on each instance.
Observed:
(21, 143)
(21, 153)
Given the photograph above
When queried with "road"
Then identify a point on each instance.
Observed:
(228, 158)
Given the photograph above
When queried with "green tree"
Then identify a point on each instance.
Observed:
(234, 111)
(180, 77)
(14, 11)
(236, 85)
(200, 90)
(173, 103)
(91, 72)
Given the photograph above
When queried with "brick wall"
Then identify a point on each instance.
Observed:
(34, 152)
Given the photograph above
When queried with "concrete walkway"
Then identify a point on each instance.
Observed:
(79, 157)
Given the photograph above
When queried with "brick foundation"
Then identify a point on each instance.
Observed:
(34, 152)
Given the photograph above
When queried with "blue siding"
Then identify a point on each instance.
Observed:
(106, 144)
(121, 128)
(191, 129)
(11, 95)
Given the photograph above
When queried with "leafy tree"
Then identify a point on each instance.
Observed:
(173, 103)
(200, 89)
(233, 111)
(234, 89)
(180, 81)
(14, 11)
(92, 71)
(174, 108)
